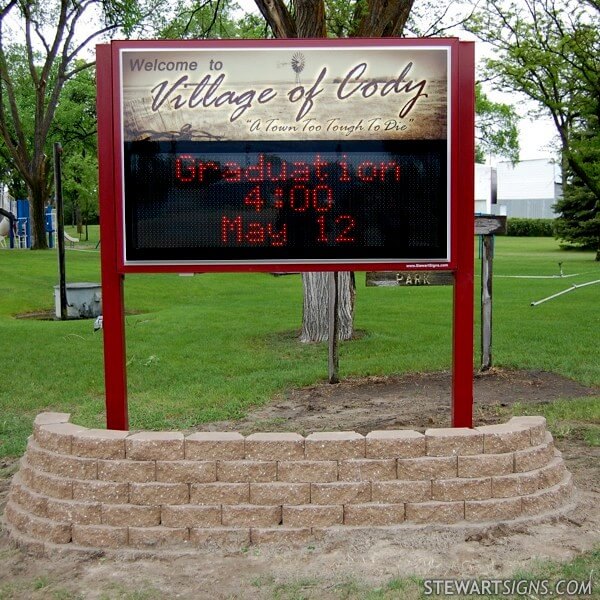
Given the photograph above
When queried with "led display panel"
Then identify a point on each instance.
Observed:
(307, 155)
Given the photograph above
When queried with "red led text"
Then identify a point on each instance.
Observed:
(298, 196)
(189, 169)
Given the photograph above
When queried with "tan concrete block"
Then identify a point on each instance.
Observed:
(274, 446)
(549, 499)
(190, 516)
(313, 516)
(485, 465)
(536, 426)
(395, 443)
(27, 545)
(48, 530)
(246, 471)
(453, 441)
(373, 515)
(30, 501)
(220, 493)
(188, 471)
(534, 458)
(49, 485)
(284, 536)
(367, 469)
(397, 492)
(214, 445)
(127, 471)
(251, 516)
(73, 511)
(130, 515)
(308, 471)
(552, 474)
(26, 473)
(37, 458)
(108, 492)
(442, 467)
(158, 537)
(154, 494)
(501, 438)
(519, 484)
(155, 445)
(449, 490)
(279, 493)
(57, 437)
(71, 467)
(496, 509)
(336, 493)
(15, 488)
(16, 517)
(220, 537)
(50, 418)
(334, 445)
(100, 536)
(99, 443)
(435, 512)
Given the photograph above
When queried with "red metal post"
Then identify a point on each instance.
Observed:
(113, 306)
(463, 188)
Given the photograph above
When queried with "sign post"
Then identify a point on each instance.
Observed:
(286, 155)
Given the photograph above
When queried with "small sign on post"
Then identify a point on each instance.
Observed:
(409, 278)
(487, 226)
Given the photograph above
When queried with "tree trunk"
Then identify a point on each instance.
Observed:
(315, 315)
(78, 220)
(310, 18)
(381, 18)
(310, 22)
(37, 205)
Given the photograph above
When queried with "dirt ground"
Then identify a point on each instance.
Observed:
(336, 566)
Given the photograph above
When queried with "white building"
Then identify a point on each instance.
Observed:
(527, 189)
(485, 189)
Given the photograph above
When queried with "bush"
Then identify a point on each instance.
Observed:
(530, 227)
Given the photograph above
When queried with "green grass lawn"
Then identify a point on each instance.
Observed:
(208, 347)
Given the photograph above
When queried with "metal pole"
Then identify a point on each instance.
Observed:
(574, 286)
(334, 361)
(487, 256)
(464, 194)
(60, 227)
(113, 304)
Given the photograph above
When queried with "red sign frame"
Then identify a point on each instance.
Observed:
(461, 263)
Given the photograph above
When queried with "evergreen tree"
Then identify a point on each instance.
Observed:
(579, 208)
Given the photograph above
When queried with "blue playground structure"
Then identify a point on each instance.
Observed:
(19, 224)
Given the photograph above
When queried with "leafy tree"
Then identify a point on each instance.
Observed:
(80, 188)
(51, 34)
(75, 127)
(496, 128)
(549, 50)
(579, 220)
(193, 20)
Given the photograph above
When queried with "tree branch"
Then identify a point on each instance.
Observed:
(310, 18)
(384, 18)
(278, 17)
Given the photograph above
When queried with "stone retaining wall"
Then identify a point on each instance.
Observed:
(92, 488)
